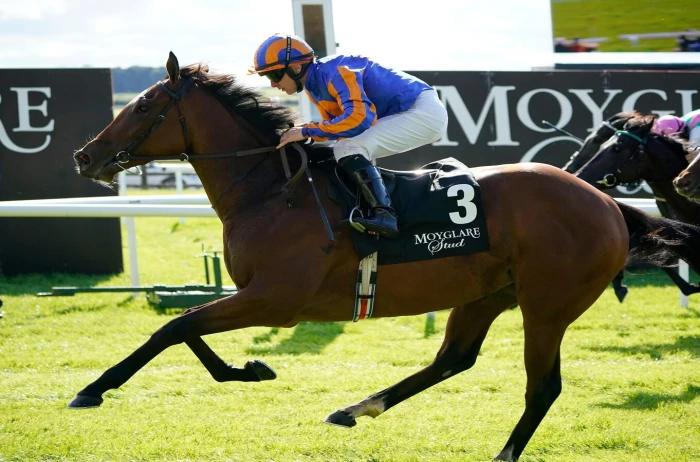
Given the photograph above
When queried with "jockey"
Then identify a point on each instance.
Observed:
(668, 125)
(692, 127)
(372, 111)
(687, 126)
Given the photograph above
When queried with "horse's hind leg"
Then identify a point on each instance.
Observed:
(684, 286)
(466, 329)
(542, 364)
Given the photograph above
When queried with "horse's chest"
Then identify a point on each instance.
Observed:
(247, 248)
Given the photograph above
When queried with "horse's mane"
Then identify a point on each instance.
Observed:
(644, 122)
(619, 119)
(640, 121)
(258, 111)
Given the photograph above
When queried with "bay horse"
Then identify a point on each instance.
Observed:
(632, 154)
(687, 182)
(286, 272)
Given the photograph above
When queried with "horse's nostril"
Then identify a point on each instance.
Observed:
(82, 159)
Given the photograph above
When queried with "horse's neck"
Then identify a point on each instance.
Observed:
(682, 208)
(231, 182)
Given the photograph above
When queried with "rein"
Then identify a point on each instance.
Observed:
(124, 156)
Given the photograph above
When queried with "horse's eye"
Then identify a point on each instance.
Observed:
(142, 108)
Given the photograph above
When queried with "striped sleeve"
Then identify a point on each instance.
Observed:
(358, 111)
(324, 114)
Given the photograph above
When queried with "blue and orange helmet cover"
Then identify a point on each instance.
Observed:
(272, 53)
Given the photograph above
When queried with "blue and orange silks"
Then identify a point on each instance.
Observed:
(352, 92)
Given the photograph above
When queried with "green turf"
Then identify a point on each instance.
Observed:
(631, 377)
(611, 18)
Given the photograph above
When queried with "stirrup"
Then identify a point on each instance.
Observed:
(374, 225)
(357, 226)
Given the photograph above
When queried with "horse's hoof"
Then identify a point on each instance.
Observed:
(621, 293)
(342, 419)
(85, 401)
(501, 458)
(505, 455)
(260, 370)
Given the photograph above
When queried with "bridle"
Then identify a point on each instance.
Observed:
(602, 133)
(610, 180)
(125, 155)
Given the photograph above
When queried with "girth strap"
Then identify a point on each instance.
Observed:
(365, 287)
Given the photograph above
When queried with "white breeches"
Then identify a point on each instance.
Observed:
(423, 123)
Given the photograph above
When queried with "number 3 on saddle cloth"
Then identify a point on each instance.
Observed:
(440, 215)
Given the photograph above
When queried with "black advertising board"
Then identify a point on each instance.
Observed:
(496, 117)
(45, 115)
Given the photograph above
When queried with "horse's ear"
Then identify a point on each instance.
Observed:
(173, 68)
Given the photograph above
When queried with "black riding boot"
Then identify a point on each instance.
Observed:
(382, 219)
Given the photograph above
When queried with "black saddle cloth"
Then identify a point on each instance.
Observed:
(439, 208)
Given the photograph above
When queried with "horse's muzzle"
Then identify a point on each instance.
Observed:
(89, 166)
(684, 185)
(82, 160)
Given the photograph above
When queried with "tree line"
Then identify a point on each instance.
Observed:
(134, 79)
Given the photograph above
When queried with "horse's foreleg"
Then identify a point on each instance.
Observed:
(253, 371)
(619, 287)
(466, 329)
(543, 384)
(246, 308)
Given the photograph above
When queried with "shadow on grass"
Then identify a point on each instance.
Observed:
(657, 351)
(654, 277)
(30, 284)
(308, 338)
(93, 307)
(651, 401)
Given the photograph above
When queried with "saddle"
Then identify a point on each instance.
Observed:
(439, 208)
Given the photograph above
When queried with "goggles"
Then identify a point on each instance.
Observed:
(274, 76)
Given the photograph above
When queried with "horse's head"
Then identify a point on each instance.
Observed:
(635, 154)
(592, 143)
(150, 125)
(687, 183)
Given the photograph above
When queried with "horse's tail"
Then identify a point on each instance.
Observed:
(661, 241)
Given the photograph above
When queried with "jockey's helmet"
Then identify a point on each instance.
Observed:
(279, 51)
(667, 125)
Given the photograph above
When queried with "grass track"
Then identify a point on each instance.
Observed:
(605, 18)
(631, 379)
